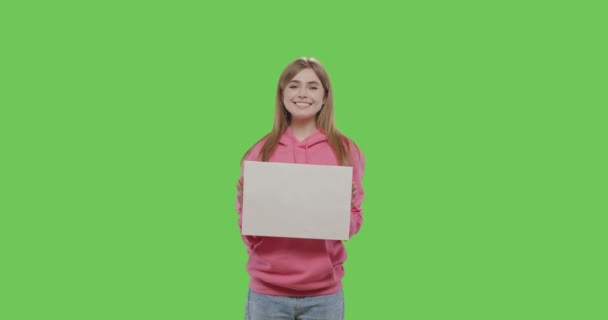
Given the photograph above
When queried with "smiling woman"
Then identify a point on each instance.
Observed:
(295, 278)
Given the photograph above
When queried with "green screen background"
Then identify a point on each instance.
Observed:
(483, 124)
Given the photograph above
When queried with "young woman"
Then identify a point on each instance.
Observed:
(295, 278)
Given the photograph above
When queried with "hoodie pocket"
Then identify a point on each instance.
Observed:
(299, 264)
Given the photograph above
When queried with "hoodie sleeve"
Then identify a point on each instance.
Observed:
(250, 241)
(358, 164)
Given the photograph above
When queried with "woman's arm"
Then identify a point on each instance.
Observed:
(358, 164)
(250, 241)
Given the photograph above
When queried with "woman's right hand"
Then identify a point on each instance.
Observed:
(239, 194)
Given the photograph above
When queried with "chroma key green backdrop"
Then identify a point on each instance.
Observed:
(483, 124)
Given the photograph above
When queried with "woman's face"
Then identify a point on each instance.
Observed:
(304, 95)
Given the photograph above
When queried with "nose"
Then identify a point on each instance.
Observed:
(302, 93)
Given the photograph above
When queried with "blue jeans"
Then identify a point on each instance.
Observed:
(265, 307)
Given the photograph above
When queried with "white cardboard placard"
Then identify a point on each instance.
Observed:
(296, 200)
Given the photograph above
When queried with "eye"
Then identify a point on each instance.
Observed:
(313, 88)
(293, 87)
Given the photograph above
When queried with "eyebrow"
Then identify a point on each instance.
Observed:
(309, 82)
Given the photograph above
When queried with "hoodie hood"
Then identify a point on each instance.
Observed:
(290, 142)
(289, 139)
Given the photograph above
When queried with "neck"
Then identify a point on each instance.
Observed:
(303, 129)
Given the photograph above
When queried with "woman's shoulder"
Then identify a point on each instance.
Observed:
(354, 151)
(349, 142)
(254, 151)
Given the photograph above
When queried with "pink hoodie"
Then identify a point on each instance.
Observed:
(302, 267)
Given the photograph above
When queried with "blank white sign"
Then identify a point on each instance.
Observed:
(296, 200)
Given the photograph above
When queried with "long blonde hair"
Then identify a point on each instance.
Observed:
(325, 117)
